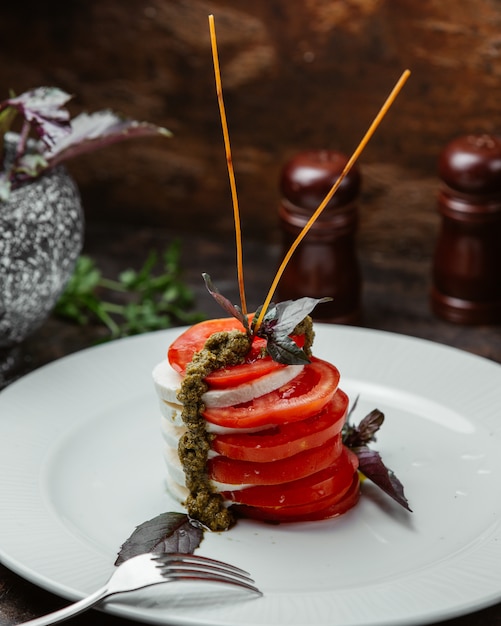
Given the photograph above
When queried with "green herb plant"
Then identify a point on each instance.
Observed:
(136, 302)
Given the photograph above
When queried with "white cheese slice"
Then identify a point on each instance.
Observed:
(172, 433)
(176, 473)
(168, 381)
(177, 491)
(219, 398)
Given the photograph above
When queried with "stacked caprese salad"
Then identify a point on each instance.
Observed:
(274, 431)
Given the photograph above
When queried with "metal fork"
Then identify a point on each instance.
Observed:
(152, 569)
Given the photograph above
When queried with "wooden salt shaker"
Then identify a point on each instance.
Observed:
(325, 262)
(467, 262)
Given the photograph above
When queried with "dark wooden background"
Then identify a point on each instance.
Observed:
(295, 75)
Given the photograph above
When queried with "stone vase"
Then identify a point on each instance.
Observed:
(41, 237)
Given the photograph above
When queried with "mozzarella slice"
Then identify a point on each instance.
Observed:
(171, 412)
(177, 491)
(174, 466)
(172, 433)
(219, 398)
(168, 382)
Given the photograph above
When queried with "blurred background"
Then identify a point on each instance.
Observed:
(296, 75)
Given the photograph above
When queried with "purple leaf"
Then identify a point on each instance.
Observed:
(168, 532)
(288, 314)
(97, 130)
(365, 432)
(43, 112)
(284, 350)
(42, 109)
(231, 309)
(372, 466)
(279, 321)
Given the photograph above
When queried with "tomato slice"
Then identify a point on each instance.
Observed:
(288, 439)
(302, 397)
(256, 364)
(335, 479)
(328, 507)
(192, 340)
(233, 472)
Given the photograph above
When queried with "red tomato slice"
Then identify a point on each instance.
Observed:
(288, 439)
(255, 366)
(326, 508)
(233, 472)
(302, 397)
(183, 348)
(335, 479)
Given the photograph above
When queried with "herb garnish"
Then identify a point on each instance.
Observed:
(167, 532)
(371, 465)
(278, 323)
(155, 299)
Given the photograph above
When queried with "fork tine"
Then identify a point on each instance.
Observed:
(202, 568)
(176, 558)
(210, 577)
(176, 566)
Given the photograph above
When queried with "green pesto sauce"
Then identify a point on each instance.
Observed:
(221, 349)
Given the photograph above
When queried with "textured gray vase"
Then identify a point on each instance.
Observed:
(41, 237)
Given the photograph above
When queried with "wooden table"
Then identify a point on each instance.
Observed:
(395, 254)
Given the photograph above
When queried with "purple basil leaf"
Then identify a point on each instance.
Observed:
(284, 350)
(231, 309)
(370, 425)
(364, 433)
(372, 466)
(278, 322)
(42, 108)
(168, 532)
(268, 323)
(290, 313)
(98, 130)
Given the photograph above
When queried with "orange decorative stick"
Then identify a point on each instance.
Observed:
(229, 161)
(351, 161)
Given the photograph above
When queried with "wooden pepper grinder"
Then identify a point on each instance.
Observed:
(467, 262)
(325, 262)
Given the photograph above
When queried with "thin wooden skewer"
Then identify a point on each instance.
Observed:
(358, 151)
(229, 161)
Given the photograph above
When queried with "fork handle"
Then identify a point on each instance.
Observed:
(70, 610)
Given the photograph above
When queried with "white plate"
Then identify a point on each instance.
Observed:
(81, 465)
